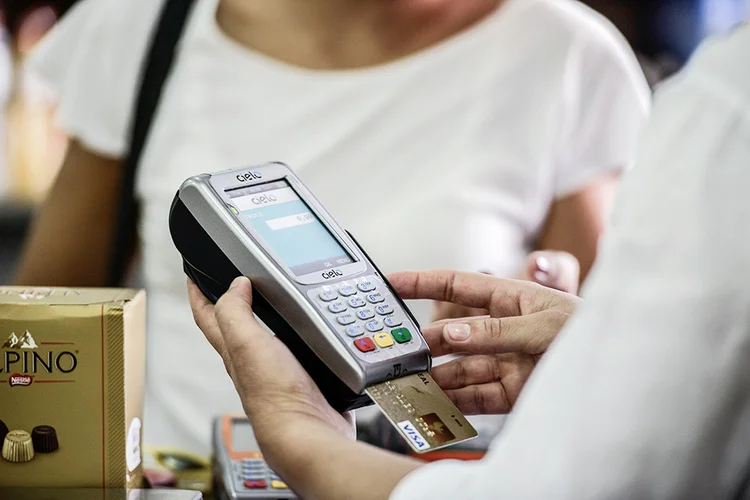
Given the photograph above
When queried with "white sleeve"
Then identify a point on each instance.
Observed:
(646, 392)
(92, 60)
(606, 104)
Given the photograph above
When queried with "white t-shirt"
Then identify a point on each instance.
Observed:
(449, 158)
(646, 392)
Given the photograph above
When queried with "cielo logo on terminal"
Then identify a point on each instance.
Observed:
(333, 273)
(249, 176)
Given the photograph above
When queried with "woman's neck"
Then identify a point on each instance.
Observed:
(343, 34)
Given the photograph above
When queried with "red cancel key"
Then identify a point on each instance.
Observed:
(256, 485)
(365, 345)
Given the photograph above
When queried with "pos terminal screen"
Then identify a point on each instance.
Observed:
(243, 438)
(289, 227)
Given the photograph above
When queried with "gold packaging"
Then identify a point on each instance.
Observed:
(72, 366)
(18, 447)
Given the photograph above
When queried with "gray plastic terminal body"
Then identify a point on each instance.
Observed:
(294, 297)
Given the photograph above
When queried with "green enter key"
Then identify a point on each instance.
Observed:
(401, 335)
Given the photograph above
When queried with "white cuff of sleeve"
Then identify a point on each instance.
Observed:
(572, 183)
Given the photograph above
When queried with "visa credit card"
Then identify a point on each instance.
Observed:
(422, 413)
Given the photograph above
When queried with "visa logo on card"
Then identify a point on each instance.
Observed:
(413, 435)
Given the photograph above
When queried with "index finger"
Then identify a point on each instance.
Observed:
(433, 335)
(467, 289)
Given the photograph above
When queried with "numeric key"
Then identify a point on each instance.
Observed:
(374, 325)
(384, 309)
(345, 319)
(365, 313)
(391, 321)
(327, 295)
(337, 307)
(356, 302)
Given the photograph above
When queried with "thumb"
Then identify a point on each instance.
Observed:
(553, 269)
(530, 334)
(234, 315)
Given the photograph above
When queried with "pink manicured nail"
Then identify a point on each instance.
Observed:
(543, 264)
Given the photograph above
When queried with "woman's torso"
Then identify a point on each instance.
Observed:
(407, 156)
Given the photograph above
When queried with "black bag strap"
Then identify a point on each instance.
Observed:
(158, 64)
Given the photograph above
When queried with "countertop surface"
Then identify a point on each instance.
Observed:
(96, 494)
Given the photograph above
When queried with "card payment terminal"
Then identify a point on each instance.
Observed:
(313, 285)
(240, 473)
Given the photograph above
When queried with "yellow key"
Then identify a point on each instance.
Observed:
(383, 339)
(279, 485)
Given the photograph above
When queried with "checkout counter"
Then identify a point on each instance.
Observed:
(95, 494)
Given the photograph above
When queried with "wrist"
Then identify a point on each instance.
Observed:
(317, 461)
(291, 443)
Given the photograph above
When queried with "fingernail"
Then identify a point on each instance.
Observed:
(457, 331)
(543, 264)
(237, 282)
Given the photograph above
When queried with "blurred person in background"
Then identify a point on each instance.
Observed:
(442, 133)
(6, 84)
(36, 146)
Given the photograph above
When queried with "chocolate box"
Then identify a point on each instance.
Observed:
(72, 366)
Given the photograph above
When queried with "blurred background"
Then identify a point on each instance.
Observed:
(663, 33)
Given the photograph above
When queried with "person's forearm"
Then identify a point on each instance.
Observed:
(575, 222)
(319, 463)
(70, 239)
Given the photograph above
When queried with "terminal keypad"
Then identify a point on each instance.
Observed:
(254, 474)
(366, 315)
